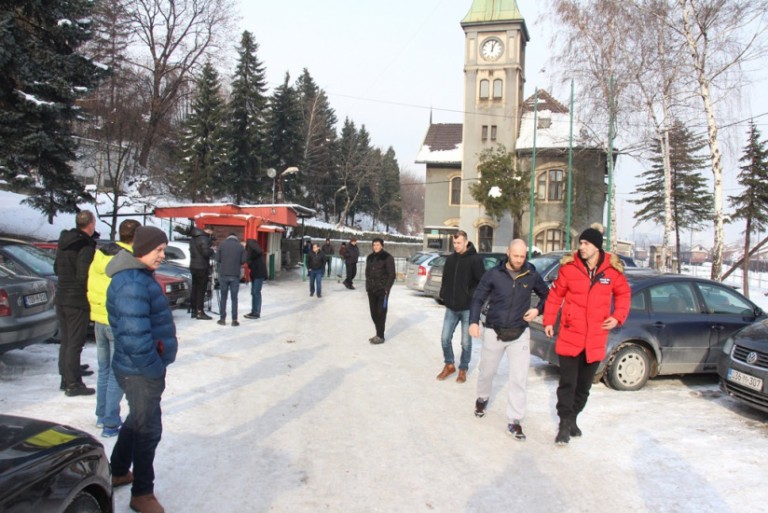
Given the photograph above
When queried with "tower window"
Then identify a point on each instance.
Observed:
(498, 86)
(485, 132)
(493, 132)
(456, 190)
(484, 89)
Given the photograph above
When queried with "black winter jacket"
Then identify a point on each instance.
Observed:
(200, 250)
(461, 275)
(379, 272)
(231, 256)
(73, 258)
(509, 299)
(315, 261)
(255, 256)
(351, 254)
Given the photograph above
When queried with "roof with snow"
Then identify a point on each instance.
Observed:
(554, 126)
(442, 145)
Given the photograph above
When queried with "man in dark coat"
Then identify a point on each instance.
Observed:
(351, 256)
(508, 288)
(145, 345)
(379, 278)
(258, 271)
(231, 257)
(462, 272)
(200, 253)
(315, 263)
(327, 250)
(74, 255)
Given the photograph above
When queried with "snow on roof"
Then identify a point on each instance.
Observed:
(554, 122)
(442, 144)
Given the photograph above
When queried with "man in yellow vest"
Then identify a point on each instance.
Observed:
(108, 392)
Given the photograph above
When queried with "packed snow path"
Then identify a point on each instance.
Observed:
(296, 411)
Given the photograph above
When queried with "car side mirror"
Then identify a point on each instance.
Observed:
(758, 311)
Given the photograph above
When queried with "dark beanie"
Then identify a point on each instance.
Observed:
(592, 236)
(146, 239)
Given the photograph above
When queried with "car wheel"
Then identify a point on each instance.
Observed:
(84, 503)
(629, 368)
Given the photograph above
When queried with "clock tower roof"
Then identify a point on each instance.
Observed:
(484, 11)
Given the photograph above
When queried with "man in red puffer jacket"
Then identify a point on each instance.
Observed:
(587, 282)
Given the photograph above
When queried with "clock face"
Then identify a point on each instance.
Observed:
(491, 49)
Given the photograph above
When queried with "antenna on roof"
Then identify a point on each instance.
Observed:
(430, 114)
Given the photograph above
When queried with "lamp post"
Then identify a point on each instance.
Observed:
(292, 169)
(272, 174)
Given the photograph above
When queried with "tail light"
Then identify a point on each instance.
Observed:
(422, 270)
(5, 304)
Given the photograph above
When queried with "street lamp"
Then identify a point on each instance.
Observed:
(292, 169)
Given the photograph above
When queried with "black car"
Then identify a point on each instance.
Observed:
(676, 325)
(743, 367)
(46, 467)
(548, 264)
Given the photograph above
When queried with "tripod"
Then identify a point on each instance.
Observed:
(213, 287)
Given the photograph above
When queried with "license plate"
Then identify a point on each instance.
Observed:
(745, 379)
(36, 299)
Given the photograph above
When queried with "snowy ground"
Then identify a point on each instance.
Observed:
(298, 412)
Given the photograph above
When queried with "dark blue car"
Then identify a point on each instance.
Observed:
(676, 325)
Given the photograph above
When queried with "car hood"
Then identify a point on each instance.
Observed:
(754, 336)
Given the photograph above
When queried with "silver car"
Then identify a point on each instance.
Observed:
(435, 274)
(417, 269)
(27, 314)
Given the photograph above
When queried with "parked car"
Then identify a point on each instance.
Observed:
(435, 274)
(27, 312)
(417, 268)
(548, 264)
(27, 260)
(743, 367)
(177, 253)
(46, 467)
(676, 325)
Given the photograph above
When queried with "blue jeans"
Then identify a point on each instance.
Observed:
(141, 432)
(256, 285)
(316, 276)
(108, 392)
(450, 321)
(229, 284)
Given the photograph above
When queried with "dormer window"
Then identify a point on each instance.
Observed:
(545, 122)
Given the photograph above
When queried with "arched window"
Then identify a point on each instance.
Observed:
(549, 185)
(484, 92)
(498, 87)
(456, 190)
(485, 239)
(550, 240)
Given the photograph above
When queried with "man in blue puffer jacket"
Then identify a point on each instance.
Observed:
(145, 344)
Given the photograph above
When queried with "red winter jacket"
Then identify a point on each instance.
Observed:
(587, 304)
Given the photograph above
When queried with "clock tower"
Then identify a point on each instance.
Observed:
(494, 75)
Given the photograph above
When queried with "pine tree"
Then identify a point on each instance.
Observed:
(692, 204)
(204, 150)
(42, 75)
(752, 204)
(247, 124)
(356, 163)
(502, 187)
(284, 135)
(318, 131)
(391, 212)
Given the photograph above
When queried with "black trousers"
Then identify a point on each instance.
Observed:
(351, 272)
(199, 286)
(378, 311)
(575, 382)
(73, 326)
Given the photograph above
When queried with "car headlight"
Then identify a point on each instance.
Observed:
(728, 345)
(168, 288)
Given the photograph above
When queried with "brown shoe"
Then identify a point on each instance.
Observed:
(146, 504)
(462, 376)
(122, 480)
(447, 371)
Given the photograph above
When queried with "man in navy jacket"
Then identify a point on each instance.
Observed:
(145, 344)
(508, 288)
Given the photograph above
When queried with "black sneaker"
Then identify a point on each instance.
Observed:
(221, 322)
(202, 316)
(563, 433)
(480, 407)
(376, 340)
(235, 323)
(516, 431)
(251, 316)
(575, 431)
(319, 296)
(79, 389)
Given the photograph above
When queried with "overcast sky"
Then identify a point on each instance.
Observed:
(388, 64)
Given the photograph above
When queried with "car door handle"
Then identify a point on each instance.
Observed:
(718, 327)
(658, 324)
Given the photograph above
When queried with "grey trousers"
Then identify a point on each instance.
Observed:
(519, 360)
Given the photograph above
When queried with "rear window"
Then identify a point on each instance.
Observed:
(41, 262)
(420, 258)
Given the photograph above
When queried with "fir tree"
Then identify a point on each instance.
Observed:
(248, 112)
(42, 74)
(751, 205)
(204, 151)
(692, 204)
(356, 162)
(284, 134)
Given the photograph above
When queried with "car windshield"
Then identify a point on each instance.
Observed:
(543, 261)
(41, 262)
(419, 258)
